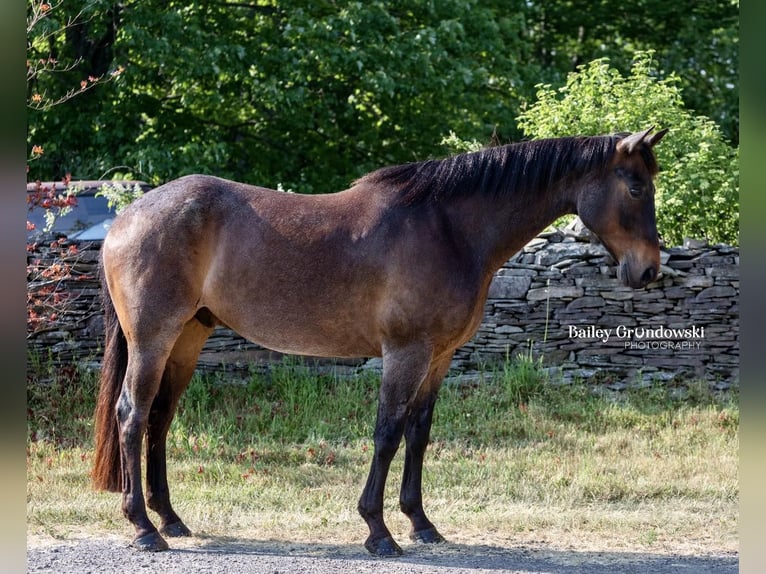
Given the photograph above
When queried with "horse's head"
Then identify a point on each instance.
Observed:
(619, 208)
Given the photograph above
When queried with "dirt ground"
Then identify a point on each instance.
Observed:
(111, 555)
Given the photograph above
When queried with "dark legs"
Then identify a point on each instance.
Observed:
(411, 496)
(178, 372)
(407, 397)
(139, 389)
(387, 438)
(140, 412)
(155, 380)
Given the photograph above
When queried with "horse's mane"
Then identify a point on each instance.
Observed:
(530, 166)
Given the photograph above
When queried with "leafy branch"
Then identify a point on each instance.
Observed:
(38, 12)
(48, 300)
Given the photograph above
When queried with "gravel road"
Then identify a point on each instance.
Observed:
(214, 556)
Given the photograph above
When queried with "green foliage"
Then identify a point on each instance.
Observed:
(290, 404)
(696, 41)
(312, 94)
(698, 187)
(307, 94)
(294, 405)
(60, 403)
(457, 145)
(119, 195)
(523, 379)
(282, 456)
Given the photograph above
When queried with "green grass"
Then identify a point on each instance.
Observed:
(513, 456)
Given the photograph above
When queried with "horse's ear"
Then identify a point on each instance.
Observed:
(628, 144)
(652, 141)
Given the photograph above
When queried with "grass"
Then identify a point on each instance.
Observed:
(514, 460)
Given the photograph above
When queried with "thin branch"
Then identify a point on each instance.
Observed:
(40, 102)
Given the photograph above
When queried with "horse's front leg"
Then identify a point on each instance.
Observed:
(404, 370)
(416, 434)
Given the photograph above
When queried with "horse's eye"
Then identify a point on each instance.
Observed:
(636, 192)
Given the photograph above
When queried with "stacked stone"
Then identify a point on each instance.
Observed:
(546, 302)
(77, 332)
(559, 298)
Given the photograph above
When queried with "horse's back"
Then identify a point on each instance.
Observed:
(199, 209)
(266, 263)
(334, 275)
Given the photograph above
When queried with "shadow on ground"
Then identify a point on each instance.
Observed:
(462, 557)
(226, 555)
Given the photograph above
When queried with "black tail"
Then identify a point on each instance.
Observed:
(107, 474)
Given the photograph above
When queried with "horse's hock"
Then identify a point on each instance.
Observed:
(558, 299)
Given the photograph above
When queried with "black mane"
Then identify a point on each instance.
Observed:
(531, 166)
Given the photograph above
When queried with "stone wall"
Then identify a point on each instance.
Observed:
(558, 301)
(63, 282)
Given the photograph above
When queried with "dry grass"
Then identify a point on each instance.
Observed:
(558, 468)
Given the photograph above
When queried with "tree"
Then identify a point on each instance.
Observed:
(296, 92)
(56, 75)
(314, 93)
(697, 41)
(52, 84)
(698, 186)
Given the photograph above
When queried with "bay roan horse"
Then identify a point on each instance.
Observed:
(397, 266)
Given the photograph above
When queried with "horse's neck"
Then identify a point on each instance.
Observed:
(499, 227)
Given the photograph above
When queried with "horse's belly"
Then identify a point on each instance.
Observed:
(296, 336)
(314, 348)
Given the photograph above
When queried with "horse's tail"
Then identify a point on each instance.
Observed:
(107, 474)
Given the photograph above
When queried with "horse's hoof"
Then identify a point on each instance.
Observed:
(175, 530)
(427, 536)
(383, 547)
(151, 542)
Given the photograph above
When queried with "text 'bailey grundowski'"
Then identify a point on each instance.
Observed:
(660, 337)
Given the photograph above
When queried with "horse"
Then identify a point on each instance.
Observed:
(396, 266)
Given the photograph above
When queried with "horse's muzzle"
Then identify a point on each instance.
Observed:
(637, 278)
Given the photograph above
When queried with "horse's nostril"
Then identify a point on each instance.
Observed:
(649, 274)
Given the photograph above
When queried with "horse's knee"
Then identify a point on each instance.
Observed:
(364, 510)
(157, 500)
(387, 438)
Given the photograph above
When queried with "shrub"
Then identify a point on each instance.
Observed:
(698, 187)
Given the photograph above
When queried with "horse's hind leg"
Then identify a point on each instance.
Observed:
(175, 378)
(416, 435)
(142, 381)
